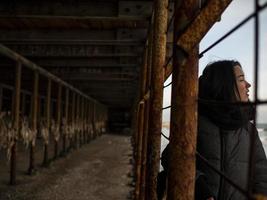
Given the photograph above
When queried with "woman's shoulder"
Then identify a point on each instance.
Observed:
(206, 124)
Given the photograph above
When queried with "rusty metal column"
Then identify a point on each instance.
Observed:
(34, 121)
(140, 126)
(48, 119)
(158, 61)
(73, 123)
(16, 123)
(87, 121)
(144, 189)
(58, 119)
(66, 121)
(93, 120)
(77, 120)
(23, 103)
(146, 113)
(183, 129)
(1, 97)
(183, 126)
(139, 148)
(83, 117)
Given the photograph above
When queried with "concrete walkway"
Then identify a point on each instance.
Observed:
(96, 171)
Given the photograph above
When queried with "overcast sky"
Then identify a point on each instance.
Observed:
(239, 46)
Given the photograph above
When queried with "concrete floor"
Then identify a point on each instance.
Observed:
(96, 171)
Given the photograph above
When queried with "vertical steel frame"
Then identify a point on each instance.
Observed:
(16, 110)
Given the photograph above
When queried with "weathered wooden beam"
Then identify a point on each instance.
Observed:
(197, 29)
(34, 103)
(71, 22)
(16, 110)
(157, 80)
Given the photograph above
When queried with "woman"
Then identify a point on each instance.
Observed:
(224, 133)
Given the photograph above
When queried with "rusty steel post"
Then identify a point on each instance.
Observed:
(140, 123)
(82, 119)
(58, 118)
(66, 120)
(143, 182)
(1, 98)
(77, 120)
(34, 121)
(86, 121)
(139, 148)
(183, 130)
(73, 120)
(16, 110)
(183, 125)
(145, 84)
(158, 60)
(23, 103)
(93, 119)
(48, 119)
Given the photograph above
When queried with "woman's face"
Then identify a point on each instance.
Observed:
(242, 85)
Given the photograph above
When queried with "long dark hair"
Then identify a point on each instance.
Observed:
(218, 81)
(218, 94)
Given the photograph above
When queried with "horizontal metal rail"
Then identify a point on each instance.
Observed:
(27, 63)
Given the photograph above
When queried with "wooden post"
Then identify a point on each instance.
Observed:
(16, 123)
(158, 61)
(48, 118)
(66, 120)
(34, 121)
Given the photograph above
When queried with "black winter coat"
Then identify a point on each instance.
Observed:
(228, 151)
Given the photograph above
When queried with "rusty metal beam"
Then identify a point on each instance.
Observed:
(158, 60)
(16, 110)
(71, 22)
(34, 121)
(198, 28)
